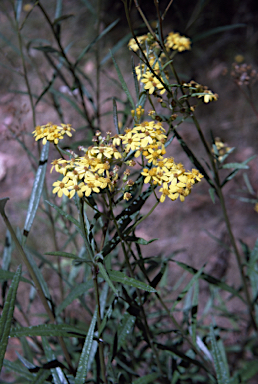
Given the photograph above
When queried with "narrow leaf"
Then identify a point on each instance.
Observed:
(106, 277)
(121, 277)
(7, 315)
(64, 330)
(235, 166)
(36, 191)
(82, 370)
(220, 367)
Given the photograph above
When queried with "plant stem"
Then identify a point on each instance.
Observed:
(148, 333)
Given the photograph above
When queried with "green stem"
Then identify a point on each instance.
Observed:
(148, 333)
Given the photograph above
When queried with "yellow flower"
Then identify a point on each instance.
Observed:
(61, 187)
(133, 44)
(127, 196)
(177, 42)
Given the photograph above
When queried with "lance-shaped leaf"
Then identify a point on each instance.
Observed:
(122, 278)
(7, 315)
(220, 364)
(7, 275)
(64, 330)
(84, 358)
(36, 191)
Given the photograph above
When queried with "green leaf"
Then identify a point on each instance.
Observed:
(47, 49)
(7, 254)
(233, 174)
(146, 379)
(76, 292)
(235, 166)
(219, 363)
(217, 30)
(212, 194)
(82, 369)
(7, 315)
(63, 213)
(123, 83)
(36, 191)
(115, 118)
(49, 330)
(18, 9)
(121, 277)
(7, 275)
(63, 254)
(252, 272)
(62, 18)
(106, 277)
(194, 311)
(139, 240)
(210, 279)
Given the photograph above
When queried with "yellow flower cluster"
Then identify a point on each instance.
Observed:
(138, 113)
(177, 42)
(198, 88)
(142, 41)
(147, 140)
(51, 132)
(89, 173)
(150, 81)
(222, 148)
(99, 167)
